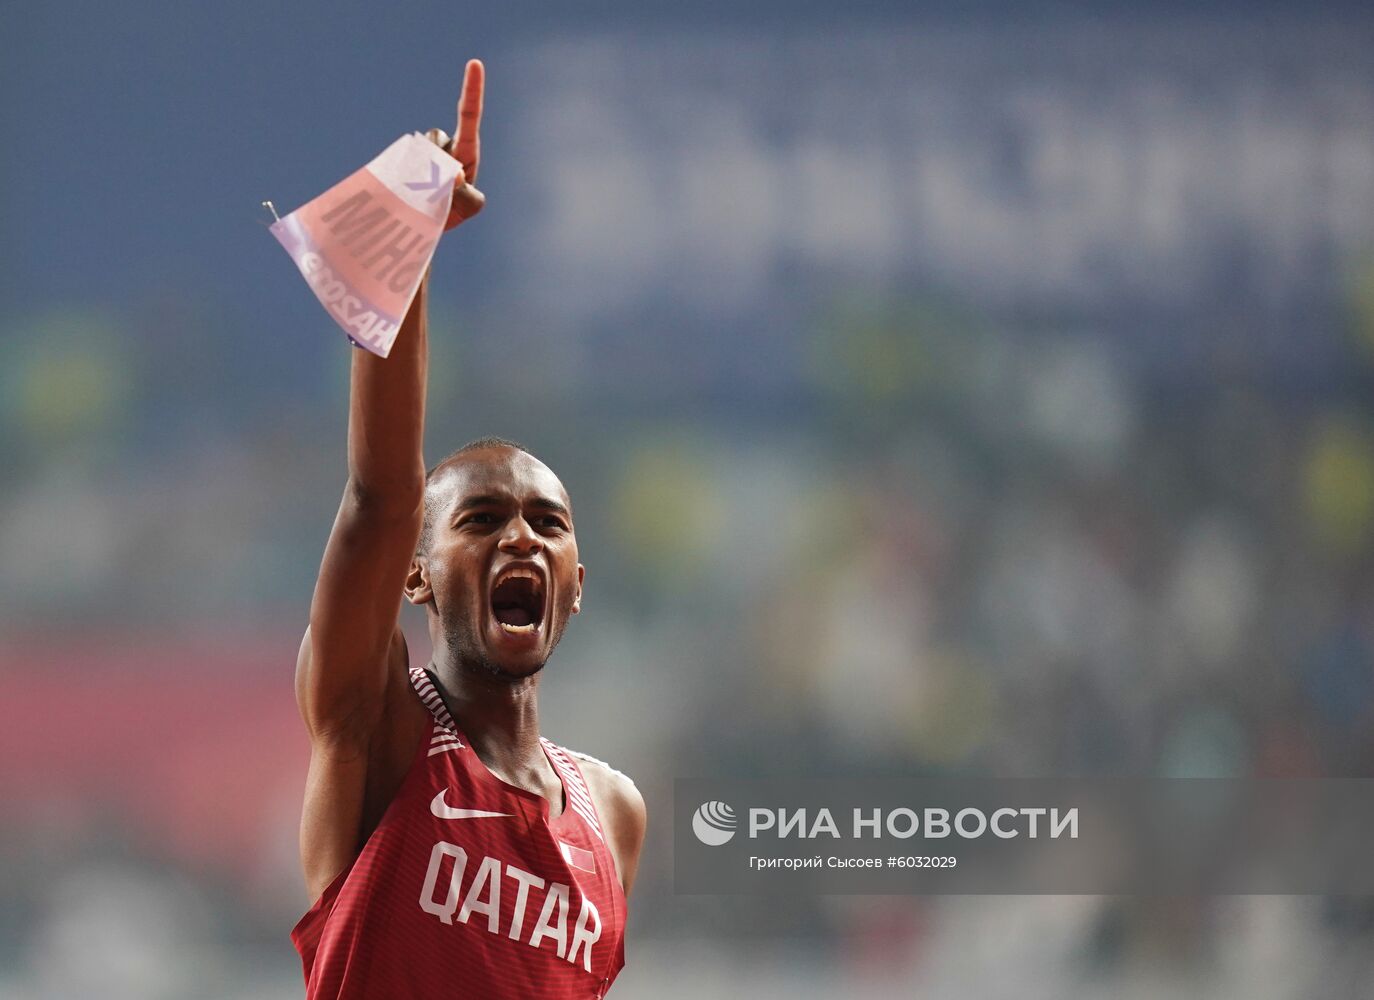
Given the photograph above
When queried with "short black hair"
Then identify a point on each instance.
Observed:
(433, 501)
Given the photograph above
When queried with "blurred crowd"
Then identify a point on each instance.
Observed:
(1054, 485)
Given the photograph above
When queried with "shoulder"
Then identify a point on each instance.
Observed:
(622, 811)
(613, 790)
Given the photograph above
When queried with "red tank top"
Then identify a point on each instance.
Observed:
(468, 889)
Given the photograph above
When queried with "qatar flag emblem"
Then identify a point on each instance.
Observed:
(578, 858)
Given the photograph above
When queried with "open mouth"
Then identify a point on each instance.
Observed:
(517, 601)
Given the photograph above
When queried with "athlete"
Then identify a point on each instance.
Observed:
(452, 850)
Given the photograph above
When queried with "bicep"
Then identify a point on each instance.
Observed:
(354, 617)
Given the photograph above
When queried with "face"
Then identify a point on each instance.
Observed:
(501, 570)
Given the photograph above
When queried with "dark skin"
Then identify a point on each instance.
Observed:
(499, 508)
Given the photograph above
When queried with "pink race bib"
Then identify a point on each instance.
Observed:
(364, 244)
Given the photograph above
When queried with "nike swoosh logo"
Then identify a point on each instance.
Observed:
(443, 810)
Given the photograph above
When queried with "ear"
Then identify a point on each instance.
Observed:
(577, 598)
(417, 589)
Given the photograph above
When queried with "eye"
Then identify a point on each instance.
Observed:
(480, 518)
(550, 521)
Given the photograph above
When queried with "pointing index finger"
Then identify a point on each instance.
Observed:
(467, 144)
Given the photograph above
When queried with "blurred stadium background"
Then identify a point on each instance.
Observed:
(963, 390)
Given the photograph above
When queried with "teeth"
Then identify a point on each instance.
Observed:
(518, 573)
(519, 629)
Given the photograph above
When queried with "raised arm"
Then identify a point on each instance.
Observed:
(354, 640)
(340, 674)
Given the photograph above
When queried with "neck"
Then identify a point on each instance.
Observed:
(498, 714)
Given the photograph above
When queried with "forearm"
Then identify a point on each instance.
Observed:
(386, 414)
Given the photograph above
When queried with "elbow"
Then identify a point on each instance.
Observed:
(387, 499)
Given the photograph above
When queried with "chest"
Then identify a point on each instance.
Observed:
(497, 858)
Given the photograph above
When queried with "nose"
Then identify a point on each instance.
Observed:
(520, 538)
